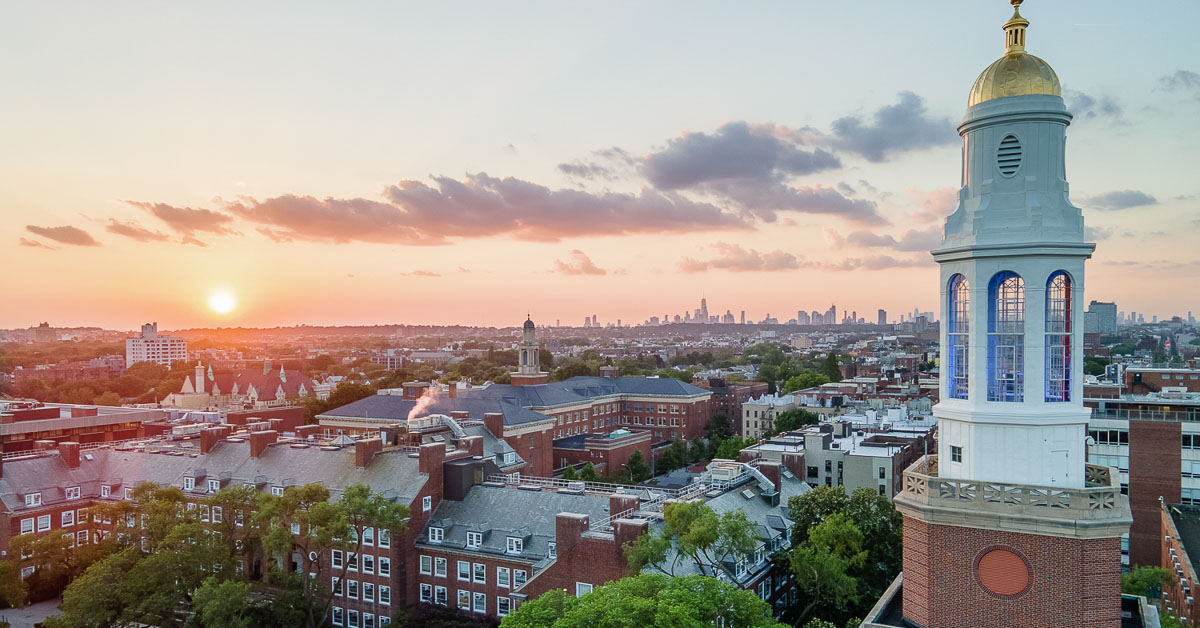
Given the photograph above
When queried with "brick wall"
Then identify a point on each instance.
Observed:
(1072, 582)
(1176, 593)
(592, 558)
(1154, 466)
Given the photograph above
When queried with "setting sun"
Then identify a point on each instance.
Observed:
(222, 301)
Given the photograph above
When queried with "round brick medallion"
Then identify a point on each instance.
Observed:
(1002, 572)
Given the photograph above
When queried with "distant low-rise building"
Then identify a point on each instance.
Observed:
(759, 414)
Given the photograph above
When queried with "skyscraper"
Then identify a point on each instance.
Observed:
(882, 317)
(1007, 521)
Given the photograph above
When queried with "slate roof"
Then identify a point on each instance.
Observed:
(266, 384)
(390, 407)
(503, 512)
(392, 473)
(582, 388)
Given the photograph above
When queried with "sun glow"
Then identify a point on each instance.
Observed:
(222, 301)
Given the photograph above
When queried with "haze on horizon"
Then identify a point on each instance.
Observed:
(379, 163)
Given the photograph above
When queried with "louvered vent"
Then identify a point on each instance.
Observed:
(1008, 158)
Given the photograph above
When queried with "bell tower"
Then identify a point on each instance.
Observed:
(1008, 524)
(529, 367)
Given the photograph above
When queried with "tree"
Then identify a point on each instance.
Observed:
(795, 419)
(1094, 366)
(728, 450)
(570, 473)
(694, 530)
(1146, 581)
(221, 603)
(14, 592)
(647, 600)
(832, 368)
(588, 473)
(109, 398)
(675, 456)
(719, 427)
(90, 601)
(638, 470)
(804, 380)
(823, 564)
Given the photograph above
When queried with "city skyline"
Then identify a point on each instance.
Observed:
(206, 201)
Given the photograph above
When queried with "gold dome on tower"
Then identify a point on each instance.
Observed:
(1017, 73)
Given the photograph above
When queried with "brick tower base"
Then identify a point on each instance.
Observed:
(981, 555)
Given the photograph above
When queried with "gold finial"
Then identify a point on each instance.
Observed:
(1014, 30)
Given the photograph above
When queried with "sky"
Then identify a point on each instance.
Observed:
(468, 163)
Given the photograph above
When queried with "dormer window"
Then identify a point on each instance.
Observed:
(436, 535)
(189, 484)
(515, 545)
(128, 493)
(277, 491)
(105, 491)
(33, 499)
(214, 486)
(474, 539)
(552, 550)
(73, 492)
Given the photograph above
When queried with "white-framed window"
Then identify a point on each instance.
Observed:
(352, 561)
(503, 606)
(352, 589)
(552, 550)
(426, 565)
(503, 577)
(368, 620)
(217, 514)
(33, 499)
(351, 618)
(481, 603)
(337, 559)
(385, 566)
(73, 492)
(368, 564)
(439, 596)
(385, 595)
(439, 567)
(203, 512)
(385, 538)
(105, 491)
(426, 593)
(582, 588)
(277, 491)
(481, 573)
(214, 486)
(338, 617)
(368, 536)
(81, 537)
(436, 535)
(426, 503)
(474, 539)
(68, 518)
(464, 599)
(518, 577)
(189, 484)
(464, 570)
(43, 523)
(335, 586)
(27, 525)
(515, 545)
(368, 592)
(384, 620)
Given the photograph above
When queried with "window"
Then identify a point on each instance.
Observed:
(368, 536)
(1058, 338)
(27, 525)
(352, 561)
(43, 523)
(813, 472)
(426, 503)
(439, 595)
(503, 606)
(474, 539)
(338, 616)
(955, 453)
(439, 567)
(368, 564)
(105, 491)
(217, 514)
(552, 550)
(515, 545)
(73, 492)
(189, 484)
(426, 565)
(368, 592)
(1006, 338)
(464, 570)
(68, 518)
(82, 535)
(214, 486)
(436, 535)
(481, 603)
(464, 599)
(481, 573)
(882, 473)
(277, 491)
(336, 586)
(503, 575)
(385, 595)
(518, 577)
(385, 566)
(352, 589)
(582, 588)
(368, 620)
(337, 559)
(33, 499)
(958, 336)
(352, 618)
(426, 593)
(385, 538)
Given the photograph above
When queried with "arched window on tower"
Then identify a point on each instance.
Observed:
(957, 335)
(1058, 337)
(1006, 337)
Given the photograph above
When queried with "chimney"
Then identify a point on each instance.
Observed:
(473, 444)
(199, 383)
(69, 450)
(304, 431)
(453, 389)
(365, 449)
(431, 457)
(259, 441)
(276, 424)
(209, 437)
(621, 502)
(627, 531)
(460, 415)
(494, 422)
(568, 530)
(772, 471)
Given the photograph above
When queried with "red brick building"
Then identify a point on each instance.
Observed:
(728, 397)
(1180, 540)
(24, 423)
